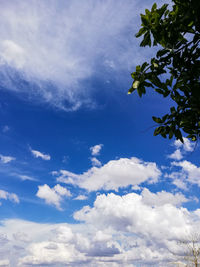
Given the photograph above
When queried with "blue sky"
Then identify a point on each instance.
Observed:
(83, 182)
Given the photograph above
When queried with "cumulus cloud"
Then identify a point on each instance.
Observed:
(183, 174)
(53, 196)
(189, 172)
(178, 182)
(123, 213)
(113, 175)
(95, 150)
(38, 154)
(162, 198)
(6, 159)
(9, 196)
(181, 149)
(115, 231)
(177, 155)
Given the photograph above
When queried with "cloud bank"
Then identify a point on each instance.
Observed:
(114, 232)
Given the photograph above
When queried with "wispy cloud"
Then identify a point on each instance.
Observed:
(38, 154)
(6, 159)
(5, 128)
(9, 196)
(81, 197)
(55, 46)
(26, 177)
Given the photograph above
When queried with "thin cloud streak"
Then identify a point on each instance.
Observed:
(38, 154)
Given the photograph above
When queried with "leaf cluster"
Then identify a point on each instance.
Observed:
(175, 70)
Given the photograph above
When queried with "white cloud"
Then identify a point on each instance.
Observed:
(116, 231)
(9, 196)
(62, 190)
(189, 172)
(180, 184)
(38, 154)
(162, 198)
(63, 43)
(23, 177)
(21, 236)
(95, 150)
(139, 214)
(184, 174)
(95, 161)
(187, 145)
(81, 197)
(27, 178)
(53, 196)
(136, 187)
(6, 159)
(12, 54)
(181, 148)
(5, 263)
(114, 174)
(53, 254)
(177, 155)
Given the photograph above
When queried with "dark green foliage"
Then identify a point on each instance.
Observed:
(175, 69)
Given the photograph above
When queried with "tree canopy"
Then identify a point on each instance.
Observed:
(175, 70)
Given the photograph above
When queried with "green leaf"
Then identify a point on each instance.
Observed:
(178, 60)
(171, 133)
(135, 84)
(160, 91)
(173, 110)
(144, 20)
(154, 7)
(158, 120)
(157, 131)
(139, 92)
(162, 52)
(144, 65)
(141, 32)
(164, 135)
(138, 68)
(133, 75)
(178, 135)
(155, 80)
(146, 40)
